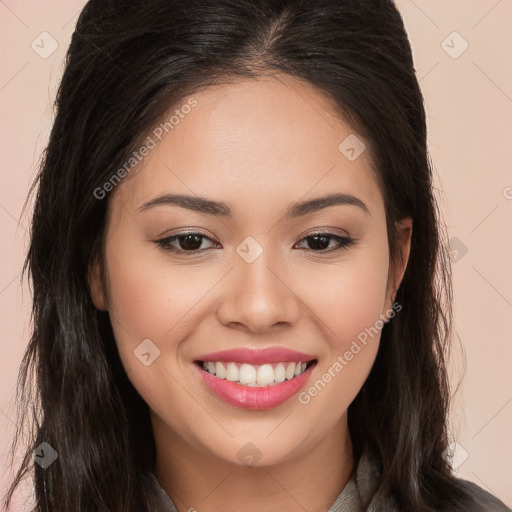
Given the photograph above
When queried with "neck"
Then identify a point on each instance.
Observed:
(199, 480)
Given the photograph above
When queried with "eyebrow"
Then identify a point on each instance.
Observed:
(207, 206)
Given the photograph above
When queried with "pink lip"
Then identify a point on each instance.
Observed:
(257, 356)
(253, 398)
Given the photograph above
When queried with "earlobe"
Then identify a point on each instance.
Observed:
(97, 286)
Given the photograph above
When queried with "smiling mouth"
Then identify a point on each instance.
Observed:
(258, 376)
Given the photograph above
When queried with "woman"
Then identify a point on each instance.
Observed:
(241, 286)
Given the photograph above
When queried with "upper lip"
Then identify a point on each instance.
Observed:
(253, 355)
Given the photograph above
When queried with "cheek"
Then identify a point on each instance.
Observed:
(150, 297)
(149, 300)
(146, 302)
(348, 301)
(347, 297)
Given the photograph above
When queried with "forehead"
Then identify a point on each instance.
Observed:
(255, 139)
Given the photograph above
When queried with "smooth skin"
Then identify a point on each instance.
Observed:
(259, 146)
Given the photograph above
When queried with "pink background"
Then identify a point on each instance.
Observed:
(469, 107)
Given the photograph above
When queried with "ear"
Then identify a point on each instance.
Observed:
(398, 264)
(97, 287)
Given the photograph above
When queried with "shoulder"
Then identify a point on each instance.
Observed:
(484, 501)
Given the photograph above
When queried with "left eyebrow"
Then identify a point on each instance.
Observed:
(208, 206)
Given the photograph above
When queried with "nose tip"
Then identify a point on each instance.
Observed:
(257, 298)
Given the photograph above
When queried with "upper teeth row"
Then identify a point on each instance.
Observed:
(259, 375)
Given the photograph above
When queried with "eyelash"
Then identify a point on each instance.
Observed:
(165, 243)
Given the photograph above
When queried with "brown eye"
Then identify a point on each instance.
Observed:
(193, 242)
(186, 242)
(319, 242)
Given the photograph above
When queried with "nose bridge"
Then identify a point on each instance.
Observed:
(257, 294)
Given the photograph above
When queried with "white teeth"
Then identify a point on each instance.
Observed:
(265, 375)
(220, 370)
(232, 372)
(290, 371)
(255, 375)
(247, 374)
(279, 373)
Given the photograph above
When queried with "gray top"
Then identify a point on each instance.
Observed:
(362, 485)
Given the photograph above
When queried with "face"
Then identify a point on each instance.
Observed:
(275, 282)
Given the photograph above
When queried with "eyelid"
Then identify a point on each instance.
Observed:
(345, 239)
(165, 241)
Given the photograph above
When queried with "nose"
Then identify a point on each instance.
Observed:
(258, 297)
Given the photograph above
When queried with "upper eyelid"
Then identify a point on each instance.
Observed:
(350, 240)
(318, 231)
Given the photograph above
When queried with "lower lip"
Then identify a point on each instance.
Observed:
(257, 399)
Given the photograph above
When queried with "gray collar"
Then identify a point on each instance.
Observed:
(357, 494)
